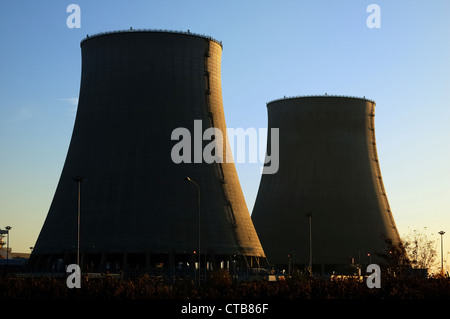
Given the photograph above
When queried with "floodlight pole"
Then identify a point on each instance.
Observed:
(78, 179)
(442, 250)
(187, 178)
(310, 242)
(8, 228)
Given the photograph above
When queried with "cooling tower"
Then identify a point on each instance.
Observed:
(326, 205)
(136, 208)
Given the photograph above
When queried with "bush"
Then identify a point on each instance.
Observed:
(221, 286)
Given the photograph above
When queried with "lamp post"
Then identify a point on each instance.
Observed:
(442, 249)
(8, 228)
(187, 178)
(78, 179)
(310, 242)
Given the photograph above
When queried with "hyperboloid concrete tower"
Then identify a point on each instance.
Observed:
(136, 208)
(326, 207)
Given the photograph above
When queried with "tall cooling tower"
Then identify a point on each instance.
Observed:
(326, 205)
(136, 208)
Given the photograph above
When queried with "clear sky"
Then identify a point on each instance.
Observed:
(271, 49)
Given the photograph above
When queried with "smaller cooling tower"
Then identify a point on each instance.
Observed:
(326, 204)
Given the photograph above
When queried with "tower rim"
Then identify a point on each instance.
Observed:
(297, 97)
(188, 33)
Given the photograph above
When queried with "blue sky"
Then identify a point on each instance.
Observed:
(271, 49)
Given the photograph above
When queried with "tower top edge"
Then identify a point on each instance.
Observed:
(131, 30)
(320, 97)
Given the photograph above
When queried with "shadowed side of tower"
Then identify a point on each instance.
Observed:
(137, 209)
(327, 200)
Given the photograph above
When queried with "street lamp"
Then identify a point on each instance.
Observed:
(78, 179)
(442, 255)
(310, 242)
(8, 228)
(187, 178)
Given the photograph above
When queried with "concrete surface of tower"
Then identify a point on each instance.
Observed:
(326, 206)
(136, 208)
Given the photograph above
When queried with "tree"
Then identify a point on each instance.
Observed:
(420, 249)
(397, 255)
